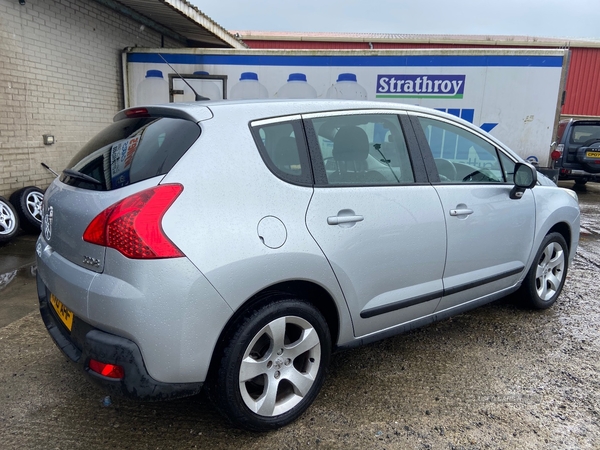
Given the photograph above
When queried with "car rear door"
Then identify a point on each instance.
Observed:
(489, 235)
(375, 216)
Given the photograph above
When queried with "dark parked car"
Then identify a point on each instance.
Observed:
(579, 145)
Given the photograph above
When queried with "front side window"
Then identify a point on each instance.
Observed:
(363, 149)
(508, 165)
(461, 156)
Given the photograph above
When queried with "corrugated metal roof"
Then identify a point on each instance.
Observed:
(186, 20)
(463, 39)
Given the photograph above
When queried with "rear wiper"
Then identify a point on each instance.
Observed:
(81, 176)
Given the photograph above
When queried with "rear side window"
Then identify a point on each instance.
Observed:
(129, 151)
(282, 146)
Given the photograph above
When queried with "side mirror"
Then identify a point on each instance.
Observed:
(525, 178)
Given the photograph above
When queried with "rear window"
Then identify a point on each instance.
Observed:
(585, 133)
(129, 151)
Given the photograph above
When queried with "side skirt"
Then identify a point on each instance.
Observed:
(426, 320)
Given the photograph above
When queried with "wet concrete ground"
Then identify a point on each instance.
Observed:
(17, 279)
(496, 377)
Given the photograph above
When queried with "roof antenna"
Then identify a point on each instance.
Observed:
(198, 96)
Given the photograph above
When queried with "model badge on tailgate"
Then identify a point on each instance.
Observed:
(91, 261)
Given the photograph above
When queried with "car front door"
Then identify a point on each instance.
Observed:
(489, 235)
(376, 218)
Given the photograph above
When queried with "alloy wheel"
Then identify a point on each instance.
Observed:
(279, 366)
(550, 271)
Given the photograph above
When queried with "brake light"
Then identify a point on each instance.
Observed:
(555, 155)
(560, 148)
(133, 225)
(107, 370)
(137, 112)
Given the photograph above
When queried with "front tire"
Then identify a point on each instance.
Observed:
(546, 277)
(273, 365)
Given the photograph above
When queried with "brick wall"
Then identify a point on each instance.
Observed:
(60, 74)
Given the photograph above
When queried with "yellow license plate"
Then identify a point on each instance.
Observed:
(592, 154)
(64, 314)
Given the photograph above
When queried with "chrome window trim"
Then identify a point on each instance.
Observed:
(353, 112)
(272, 120)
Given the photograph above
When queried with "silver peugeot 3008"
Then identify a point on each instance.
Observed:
(235, 245)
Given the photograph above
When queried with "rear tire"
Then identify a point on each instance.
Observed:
(27, 202)
(546, 277)
(273, 365)
(9, 221)
(580, 182)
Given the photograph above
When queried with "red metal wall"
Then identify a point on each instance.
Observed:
(583, 83)
(583, 78)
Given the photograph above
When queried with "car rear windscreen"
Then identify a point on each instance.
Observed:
(585, 133)
(129, 151)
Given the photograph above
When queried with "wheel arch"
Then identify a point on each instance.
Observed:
(307, 291)
(556, 211)
(564, 230)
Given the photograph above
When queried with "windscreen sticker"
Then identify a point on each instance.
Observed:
(121, 155)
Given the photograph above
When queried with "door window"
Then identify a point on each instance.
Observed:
(461, 156)
(363, 149)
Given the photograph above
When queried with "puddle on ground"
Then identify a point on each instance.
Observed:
(25, 272)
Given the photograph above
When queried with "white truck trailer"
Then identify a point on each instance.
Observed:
(514, 94)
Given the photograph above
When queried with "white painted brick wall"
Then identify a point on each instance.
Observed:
(60, 74)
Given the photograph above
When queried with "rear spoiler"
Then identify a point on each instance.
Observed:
(193, 112)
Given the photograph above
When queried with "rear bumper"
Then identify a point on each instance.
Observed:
(84, 342)
(581, 168)
(166, 307)
(577, 174)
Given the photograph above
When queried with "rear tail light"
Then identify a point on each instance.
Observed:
(107, 370)
(556, 154)
(133, 225)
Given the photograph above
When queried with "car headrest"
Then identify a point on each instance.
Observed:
(350, 144)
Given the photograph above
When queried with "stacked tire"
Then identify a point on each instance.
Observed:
(23, 209)
(9, 221)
